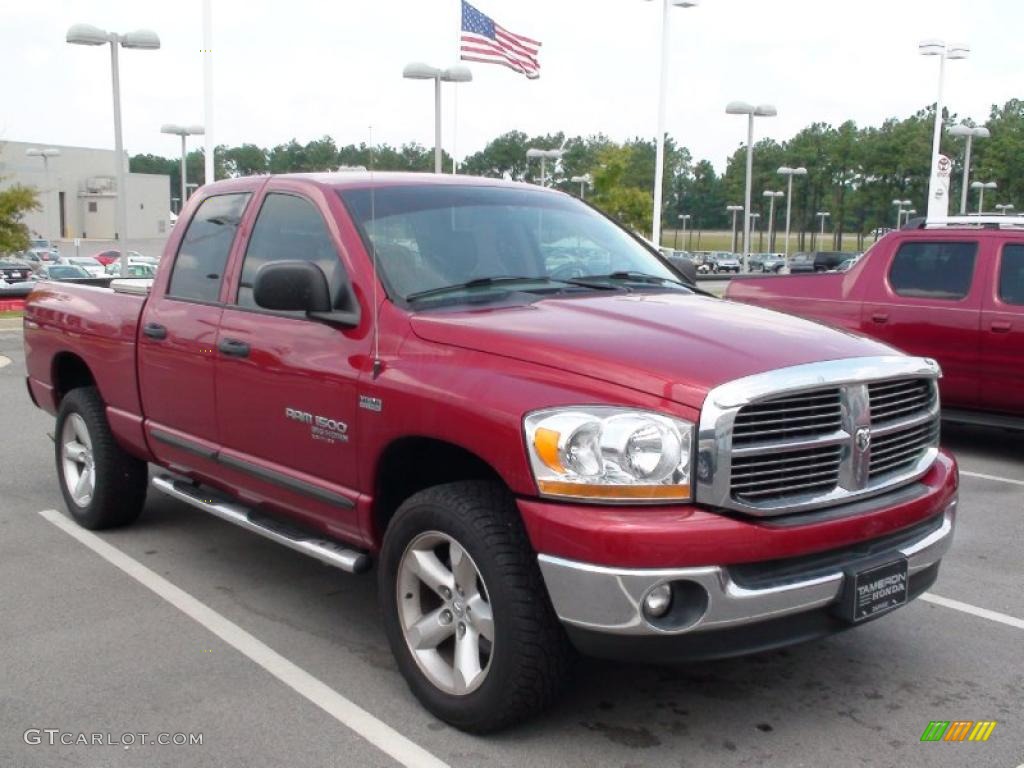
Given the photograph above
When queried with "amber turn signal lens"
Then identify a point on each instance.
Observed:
(615, 492)
(546, 442)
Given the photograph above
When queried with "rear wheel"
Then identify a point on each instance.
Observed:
(103, 487)
(465, 608)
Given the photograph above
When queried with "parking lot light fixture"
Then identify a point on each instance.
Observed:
(455, 74)
(536, 153)
(683, 218)
(790, 173)
(142, 39)
(772, 195)
(951, 51)
(659, 138)
(584, 181)
(970, 133)
(734, 209)
(900, 205)
(822, 215)
(981, 186)
(1004, 208)
(751, 111)
(45, 154)
(183, 131)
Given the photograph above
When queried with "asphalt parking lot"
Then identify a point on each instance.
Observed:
(183, 624)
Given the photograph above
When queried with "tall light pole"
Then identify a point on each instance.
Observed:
(140, 39)
(981, 186)
(183, 131)
(822, 215)
(790, 173)
(762, 110)
(659, 139)
(900, 204)
(584, 181)
(683, 218)
(734, 209)
(771, 215)
(943, 51)
(536, 153)
(970, 133)
(454, 74)
(1004, 208)
(45, 154)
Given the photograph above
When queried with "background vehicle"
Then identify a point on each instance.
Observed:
(844, 266)
(45, 250)
(767, 262)
(721, 261)
(88, 263)
(801, 262)
(518, 451)
(62, 272)
(135, 269)
(106, 258)
(14, 270)
(954, 293)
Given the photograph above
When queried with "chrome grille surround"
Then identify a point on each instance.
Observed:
(911, 435)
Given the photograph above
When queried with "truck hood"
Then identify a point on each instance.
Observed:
(672, 346)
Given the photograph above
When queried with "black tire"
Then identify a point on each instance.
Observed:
(120, 480)
(531, 657)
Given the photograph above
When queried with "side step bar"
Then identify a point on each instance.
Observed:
(326, 551)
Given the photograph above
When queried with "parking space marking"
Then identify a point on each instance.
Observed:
(984, 613)
(378, 733)
(998, 479)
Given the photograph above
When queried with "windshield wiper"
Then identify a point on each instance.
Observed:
(636, 277)
(481, 282)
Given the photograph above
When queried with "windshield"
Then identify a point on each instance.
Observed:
(67, 271)
(430, 237)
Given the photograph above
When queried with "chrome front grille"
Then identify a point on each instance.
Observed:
(803, 415)
(818, 435)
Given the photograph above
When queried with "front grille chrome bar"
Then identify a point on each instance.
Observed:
(891, 399)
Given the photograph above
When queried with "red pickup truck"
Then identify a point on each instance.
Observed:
(542, 437)
(954, 293)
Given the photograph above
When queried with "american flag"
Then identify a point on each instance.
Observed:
(483, 40)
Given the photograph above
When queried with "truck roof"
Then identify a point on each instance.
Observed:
(364, 179)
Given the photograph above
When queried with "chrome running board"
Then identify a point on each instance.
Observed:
(326, 551)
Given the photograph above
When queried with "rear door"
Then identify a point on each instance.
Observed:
(178, 335)
(1002, 334)
(287, 385)
(925, 299)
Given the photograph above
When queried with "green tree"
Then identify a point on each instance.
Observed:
(15, 201)
(630, 205)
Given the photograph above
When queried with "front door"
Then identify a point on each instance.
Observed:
(927, 302)
(287, 385)
(1002, 335)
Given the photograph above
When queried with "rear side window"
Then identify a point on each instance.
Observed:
(288, 228)
(933, 270)
(1011, 275)
(199, 265)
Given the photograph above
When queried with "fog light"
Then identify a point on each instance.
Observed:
(658, 601)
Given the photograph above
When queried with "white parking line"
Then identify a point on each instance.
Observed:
(998, 479)
(379, 734)
(984, 613)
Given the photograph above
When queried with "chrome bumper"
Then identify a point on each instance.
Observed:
(608, 600)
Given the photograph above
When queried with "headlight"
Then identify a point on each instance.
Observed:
(608, 453)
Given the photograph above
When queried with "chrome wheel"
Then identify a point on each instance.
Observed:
(445, 613)
(77, 463)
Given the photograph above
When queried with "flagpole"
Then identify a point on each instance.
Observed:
(455, 89)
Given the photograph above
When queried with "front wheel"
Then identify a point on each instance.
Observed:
(103, 487)
(465, 609)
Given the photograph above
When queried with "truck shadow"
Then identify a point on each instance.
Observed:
(991, 443)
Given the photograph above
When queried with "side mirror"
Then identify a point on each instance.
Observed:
(291, 286)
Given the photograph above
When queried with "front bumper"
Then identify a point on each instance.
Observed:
(608, 600)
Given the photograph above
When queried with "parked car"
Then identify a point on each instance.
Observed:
(683, 263)
(722, 261)
(952, 293)
(801, 262)
(88, 263)
(534, 463)
(46, 250)
(106, 258)
(14, 270)
(135, 269)
(61, 272)
(767, 262)
(846, 264)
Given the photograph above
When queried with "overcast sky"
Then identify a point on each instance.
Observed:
(306, 68)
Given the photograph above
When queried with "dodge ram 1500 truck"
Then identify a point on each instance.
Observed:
(953, 292)
(542, 438)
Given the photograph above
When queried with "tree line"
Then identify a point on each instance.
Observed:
(853, 172)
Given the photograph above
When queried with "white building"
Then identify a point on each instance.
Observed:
(78, 193)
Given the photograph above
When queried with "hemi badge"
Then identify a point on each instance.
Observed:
(371, 403)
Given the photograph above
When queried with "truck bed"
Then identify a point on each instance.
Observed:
(824, 296)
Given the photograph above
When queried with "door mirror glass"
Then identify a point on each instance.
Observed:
(291, 286)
